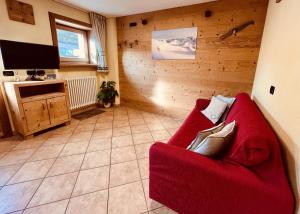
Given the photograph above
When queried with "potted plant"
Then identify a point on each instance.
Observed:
(107, 93)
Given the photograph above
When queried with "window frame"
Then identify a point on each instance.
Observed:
(57, 21)
(86, 46)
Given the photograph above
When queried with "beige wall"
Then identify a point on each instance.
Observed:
(279, 65)
(41, 33)
(112, 54)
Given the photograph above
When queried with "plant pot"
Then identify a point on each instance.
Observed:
(107, 105)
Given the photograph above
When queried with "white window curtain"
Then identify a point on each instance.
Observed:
(98, 35)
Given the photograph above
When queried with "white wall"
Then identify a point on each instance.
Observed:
(279, 65)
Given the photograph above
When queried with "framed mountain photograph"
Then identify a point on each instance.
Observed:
(174, 44)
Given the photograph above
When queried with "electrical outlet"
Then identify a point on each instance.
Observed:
(272, 89)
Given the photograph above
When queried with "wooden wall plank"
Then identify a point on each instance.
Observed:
(221, 67)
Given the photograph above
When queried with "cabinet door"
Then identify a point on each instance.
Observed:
(36, 114)
(58, 110)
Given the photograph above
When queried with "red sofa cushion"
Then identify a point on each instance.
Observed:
(253, 139)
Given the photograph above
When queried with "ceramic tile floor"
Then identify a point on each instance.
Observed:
(97, 165)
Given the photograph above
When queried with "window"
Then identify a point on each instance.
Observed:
(72, 37)
(72, 44)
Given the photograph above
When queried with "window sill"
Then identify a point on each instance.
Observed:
(75, 65)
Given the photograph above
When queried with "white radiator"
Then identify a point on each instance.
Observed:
(82, 91)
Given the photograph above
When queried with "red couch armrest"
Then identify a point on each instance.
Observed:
(202, 103)
(190, 183)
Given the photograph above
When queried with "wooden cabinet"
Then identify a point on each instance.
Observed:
(36, 106)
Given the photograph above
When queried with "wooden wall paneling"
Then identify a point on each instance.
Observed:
(221, 67)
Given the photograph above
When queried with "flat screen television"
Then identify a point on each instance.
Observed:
(20, 55)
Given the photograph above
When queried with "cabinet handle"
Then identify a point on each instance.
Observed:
(43, 104)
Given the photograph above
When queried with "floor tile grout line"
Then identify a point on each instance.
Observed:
(12, 149)
(111, 164)
(148, 210)
(107, 201)
(138, 165)
(23, 165)
(42, 205)
(64, 145)
(24, 141)
(80, 196)
(158, 130)
(51, 176)
(29, 161)
(43, 179)
(167, 129)
(25, 161)
(80, 168)
(18, 149)
(60, 157)
(151, 135)
(68, 198)
(75, 153)
(149, 165)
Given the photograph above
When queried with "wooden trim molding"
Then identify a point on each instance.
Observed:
(53, 28)
(67, 19)
(77, 67)
(53, 17)
(70, 65)
(4, 119)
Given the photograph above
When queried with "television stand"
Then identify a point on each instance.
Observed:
(38, 105)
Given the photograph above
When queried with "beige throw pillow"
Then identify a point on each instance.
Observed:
(213, 144)
(215, 109)
(229, 101)
(203, 134)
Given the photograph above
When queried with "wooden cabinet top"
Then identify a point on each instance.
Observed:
(34, 83)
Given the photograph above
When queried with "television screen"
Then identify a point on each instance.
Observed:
(20, 55)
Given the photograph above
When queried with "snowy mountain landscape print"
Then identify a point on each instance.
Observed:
(174, 44)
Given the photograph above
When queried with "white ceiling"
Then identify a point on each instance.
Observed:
(115, 8)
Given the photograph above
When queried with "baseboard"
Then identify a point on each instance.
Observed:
(179, 113)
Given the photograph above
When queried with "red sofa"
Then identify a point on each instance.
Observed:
(248, 179)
